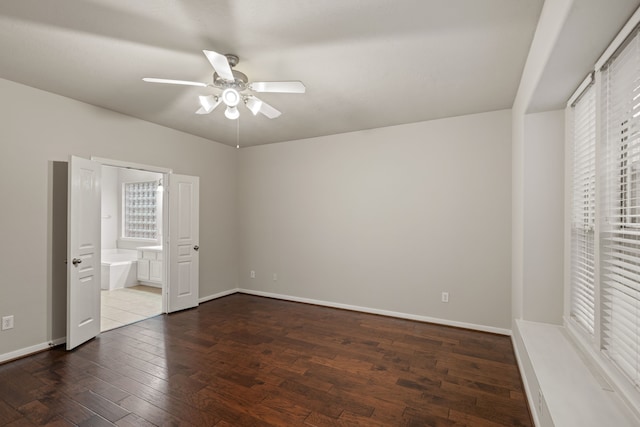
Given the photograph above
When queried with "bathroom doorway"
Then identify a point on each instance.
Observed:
(174, 254)
(132, 265)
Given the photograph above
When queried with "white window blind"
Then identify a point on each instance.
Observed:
(620, 239)
(583, 135)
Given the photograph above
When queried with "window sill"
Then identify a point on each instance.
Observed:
(563, 390)
(129, 243)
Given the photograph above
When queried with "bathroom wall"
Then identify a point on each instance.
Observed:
(110, 212)
(112, 183)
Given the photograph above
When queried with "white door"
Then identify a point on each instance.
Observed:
(83, 251)
(184, 257)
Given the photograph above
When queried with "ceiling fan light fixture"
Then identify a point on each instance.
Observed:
(209, 102)
(231, 113)
(230, 97)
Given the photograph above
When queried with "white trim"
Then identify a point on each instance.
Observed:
(28, 351)
(130, 165)
(58, 341)
(588, 81)
(568, 206)
(218, 295)
(567, 389)
(482, 328)
(516, 342)
(628, 28)
(597, 332)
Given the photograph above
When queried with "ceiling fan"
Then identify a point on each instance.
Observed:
(235, 88)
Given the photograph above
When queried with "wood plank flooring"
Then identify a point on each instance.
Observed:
(250, 361)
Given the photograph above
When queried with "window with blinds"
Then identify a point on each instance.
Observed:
(620, 236)
(583, 209)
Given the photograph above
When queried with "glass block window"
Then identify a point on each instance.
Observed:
(140, 208)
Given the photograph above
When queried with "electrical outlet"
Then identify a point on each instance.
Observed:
(275, 277)
(445, 297)
(7, 322)
(540, 400)
(253, 274)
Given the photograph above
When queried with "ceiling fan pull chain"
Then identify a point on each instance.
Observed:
(238, 133)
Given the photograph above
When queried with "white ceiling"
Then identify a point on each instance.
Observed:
(589, 28)
(365, 63)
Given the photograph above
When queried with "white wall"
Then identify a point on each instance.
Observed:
(110, 208)
(385, 219)
(38, 131)
(525, 278)
(543, 184)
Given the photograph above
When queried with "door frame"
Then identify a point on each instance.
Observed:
(165, 214)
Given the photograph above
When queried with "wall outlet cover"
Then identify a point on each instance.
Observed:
(7, 322)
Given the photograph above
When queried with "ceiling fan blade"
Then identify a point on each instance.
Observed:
(174, 82)
(269, 111)
(220, 63)
(253, 104)
(258, 106)
(208, 103)
(282, 87)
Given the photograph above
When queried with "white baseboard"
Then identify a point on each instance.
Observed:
(218, 295)
(39, 347)
(396, 314)
(23, 352)
(58, 341)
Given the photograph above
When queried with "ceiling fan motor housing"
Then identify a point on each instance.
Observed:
(240, 79)
(240, 82)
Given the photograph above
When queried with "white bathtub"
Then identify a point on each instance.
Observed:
(119, 268)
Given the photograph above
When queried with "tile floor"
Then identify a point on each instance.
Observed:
(128, 305)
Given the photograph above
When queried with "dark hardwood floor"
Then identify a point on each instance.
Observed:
(250, 361)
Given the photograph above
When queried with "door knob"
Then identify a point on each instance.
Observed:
(76, 261)
(196, 248)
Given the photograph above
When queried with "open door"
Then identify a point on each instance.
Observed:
(83, 252)
(184, 192)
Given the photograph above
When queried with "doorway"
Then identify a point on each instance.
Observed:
(174, 264)
(132, 268)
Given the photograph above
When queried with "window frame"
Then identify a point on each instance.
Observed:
(591, 346)
(582, 219)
